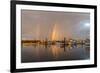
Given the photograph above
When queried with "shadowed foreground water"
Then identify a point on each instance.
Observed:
(42, 53)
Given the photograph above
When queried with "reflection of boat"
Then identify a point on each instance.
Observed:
(87, 44)
(62, 46)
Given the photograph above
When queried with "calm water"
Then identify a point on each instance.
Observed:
(42, 53)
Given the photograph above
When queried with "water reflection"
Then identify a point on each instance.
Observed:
(42, 53)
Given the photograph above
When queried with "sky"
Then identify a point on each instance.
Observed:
(39, 25)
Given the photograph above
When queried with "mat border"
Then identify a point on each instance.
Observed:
(13, 35)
